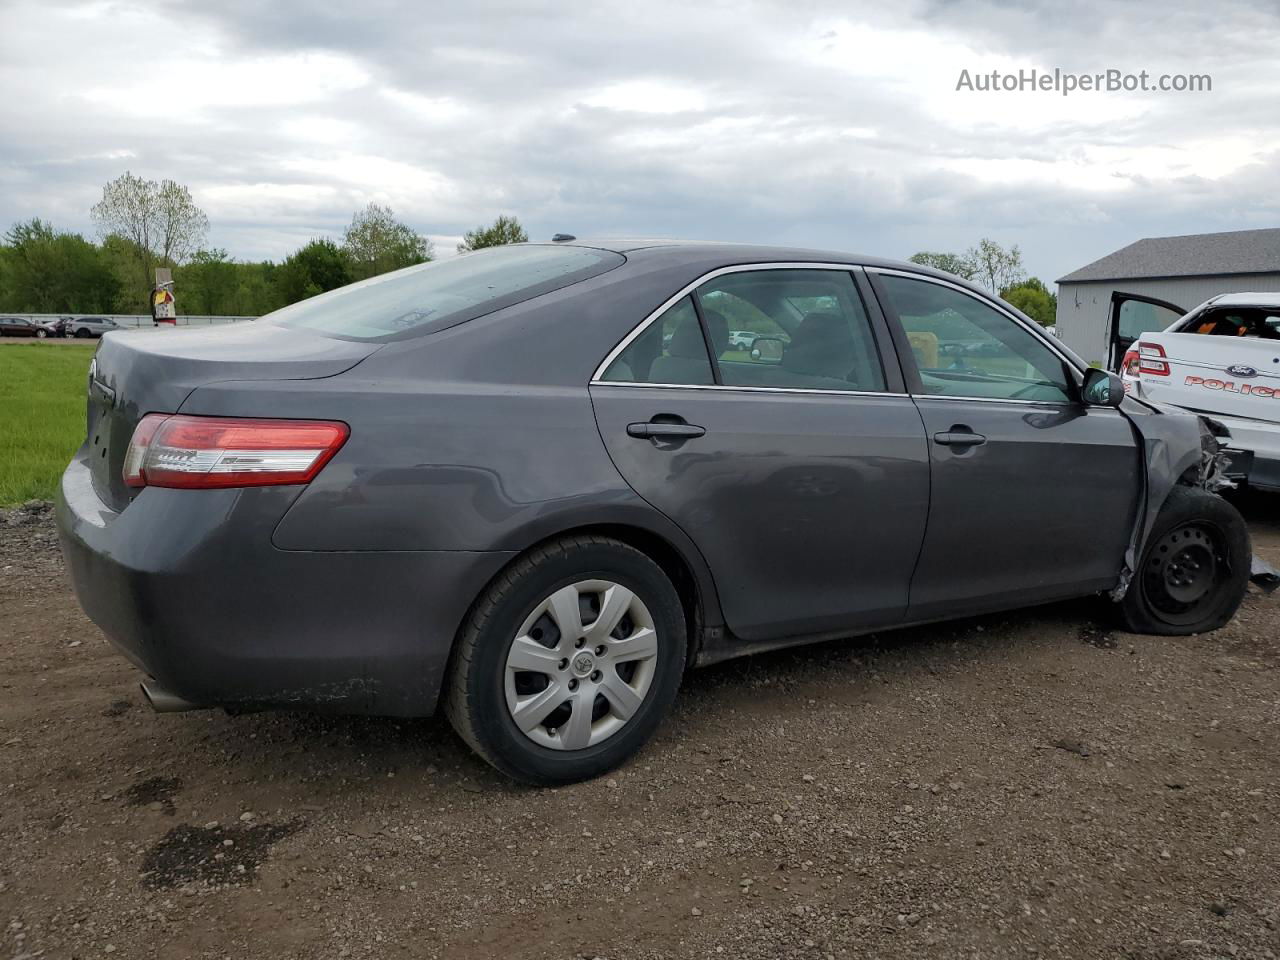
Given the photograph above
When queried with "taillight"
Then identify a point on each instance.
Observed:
(201, 452)
(1150, 358)
(1129, 365)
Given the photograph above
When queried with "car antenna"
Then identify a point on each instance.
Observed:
(563, 238)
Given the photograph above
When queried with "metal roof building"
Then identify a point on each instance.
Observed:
(1184, 271)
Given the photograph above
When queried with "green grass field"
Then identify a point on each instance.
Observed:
(42, 398)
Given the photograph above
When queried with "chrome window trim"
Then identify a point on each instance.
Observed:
(1033, 403)
(1033, 328)
(690, 287)
(736, 389)
(831, 393)
(597, 381)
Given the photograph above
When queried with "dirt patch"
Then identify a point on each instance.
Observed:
(1096, 636)
(1071, 746)
(156, 792)
(211, 855)
(915, 794)
(118, 708)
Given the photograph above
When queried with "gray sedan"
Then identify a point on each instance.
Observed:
(534, 485)
(87, 327)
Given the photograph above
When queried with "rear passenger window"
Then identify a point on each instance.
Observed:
(791, 329)
(671, 350)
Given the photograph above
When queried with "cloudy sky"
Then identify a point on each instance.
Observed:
(835, 125)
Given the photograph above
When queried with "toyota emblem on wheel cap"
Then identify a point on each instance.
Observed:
(583, 663)
(1241, 370)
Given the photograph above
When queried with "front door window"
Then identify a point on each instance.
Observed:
(966, 348)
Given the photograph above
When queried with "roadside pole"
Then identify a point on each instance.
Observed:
(163, 308)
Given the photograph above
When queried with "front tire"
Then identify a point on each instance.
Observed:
(1194, 569)
(41, 334)
(568, 662)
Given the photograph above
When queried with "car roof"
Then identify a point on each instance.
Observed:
(729, 254)
(743, 252)
(1258, 299)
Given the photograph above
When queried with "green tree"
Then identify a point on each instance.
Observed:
(1033, 298)
(953, 263)
(6, 280)
(995, 267)
(316, 267)
(122, 257)
(159, 220)
(207, 283)
(50, 272)
(256, 292)
(377, 242)
(503, 230)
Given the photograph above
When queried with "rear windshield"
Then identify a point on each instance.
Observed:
(442, 293)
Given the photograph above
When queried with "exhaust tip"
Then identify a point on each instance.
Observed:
(163, 701)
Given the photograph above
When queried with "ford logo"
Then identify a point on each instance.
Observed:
(1240, 370)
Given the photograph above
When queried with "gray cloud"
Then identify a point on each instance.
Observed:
(819, 124)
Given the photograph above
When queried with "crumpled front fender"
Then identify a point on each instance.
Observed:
(1178, 447)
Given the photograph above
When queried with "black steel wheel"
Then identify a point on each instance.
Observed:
(1183, 572)
(1195, 567)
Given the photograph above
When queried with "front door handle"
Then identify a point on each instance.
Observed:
(959, 438)
(658, 430)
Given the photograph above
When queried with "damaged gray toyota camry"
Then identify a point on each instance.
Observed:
(533, 485)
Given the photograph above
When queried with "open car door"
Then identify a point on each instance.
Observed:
(1131, 316)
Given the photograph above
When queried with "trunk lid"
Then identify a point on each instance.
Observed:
(153, 371)
(1231, 376)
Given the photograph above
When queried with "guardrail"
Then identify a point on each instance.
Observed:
(126, 319)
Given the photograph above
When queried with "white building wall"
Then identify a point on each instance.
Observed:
(1084, 308)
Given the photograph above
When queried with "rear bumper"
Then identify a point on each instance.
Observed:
(187, 584)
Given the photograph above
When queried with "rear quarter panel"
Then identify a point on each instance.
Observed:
(480, 437)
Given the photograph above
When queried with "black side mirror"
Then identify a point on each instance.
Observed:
(1102, 389)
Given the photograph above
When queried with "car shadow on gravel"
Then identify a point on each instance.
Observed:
(353, 748)
(933, 648)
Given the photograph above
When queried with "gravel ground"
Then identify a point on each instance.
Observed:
(1032, 784)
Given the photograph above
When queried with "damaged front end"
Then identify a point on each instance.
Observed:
(1178, 448)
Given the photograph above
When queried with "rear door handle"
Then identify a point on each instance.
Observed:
(664, 431)
(959, 438)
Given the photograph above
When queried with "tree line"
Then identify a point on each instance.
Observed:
(143, 224)
(1000, 271)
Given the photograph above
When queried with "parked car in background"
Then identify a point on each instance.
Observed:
(57, 328)
(21, 327)
(742, 339)
(85, 327)
(534, 484)
(1223, 359)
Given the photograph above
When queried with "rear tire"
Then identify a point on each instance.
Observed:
(1194, 569)
(83, 334)
(549, 706)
